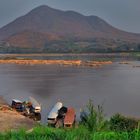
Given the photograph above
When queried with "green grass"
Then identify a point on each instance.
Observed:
(80, 133)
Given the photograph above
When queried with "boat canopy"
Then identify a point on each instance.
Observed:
(54, 112)
(17, 101)
(35, 104)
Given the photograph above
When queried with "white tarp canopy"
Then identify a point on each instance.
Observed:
(35, 104)
(54, 112)
(17, 101)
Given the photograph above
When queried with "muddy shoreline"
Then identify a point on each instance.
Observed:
(2, 101)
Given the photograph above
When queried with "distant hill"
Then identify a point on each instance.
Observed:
(45, 29)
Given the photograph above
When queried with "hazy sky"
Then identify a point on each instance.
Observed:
(123, 14)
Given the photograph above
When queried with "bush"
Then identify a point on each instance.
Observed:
(121, 123)
(93, 118)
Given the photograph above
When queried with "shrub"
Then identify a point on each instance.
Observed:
(93, 118)
(121, 123)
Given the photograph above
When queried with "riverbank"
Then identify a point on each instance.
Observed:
(2, 101)
(56, 62)
(92, 126)
(12, 120)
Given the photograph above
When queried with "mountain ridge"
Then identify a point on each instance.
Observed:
(48, 25)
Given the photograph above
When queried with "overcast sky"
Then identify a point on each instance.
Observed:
(123, 14)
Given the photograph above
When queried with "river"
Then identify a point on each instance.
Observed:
(116, 86)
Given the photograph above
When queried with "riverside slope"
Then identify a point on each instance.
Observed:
(11, 120)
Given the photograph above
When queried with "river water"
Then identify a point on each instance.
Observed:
(116, 86)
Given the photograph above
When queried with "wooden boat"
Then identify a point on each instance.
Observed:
(60, 118)
(69, 119)
(62, 112)
(30, 108)
(52, 117)
(18, 105)
(35, 106)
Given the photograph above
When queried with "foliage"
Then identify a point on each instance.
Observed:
(122, 123)
(93, 118)
(74, 45)
(135, 54)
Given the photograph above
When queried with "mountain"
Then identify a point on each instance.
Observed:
(45, 29)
